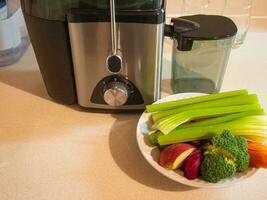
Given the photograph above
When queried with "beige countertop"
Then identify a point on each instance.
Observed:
(50, 151)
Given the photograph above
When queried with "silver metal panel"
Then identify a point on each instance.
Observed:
(141, 48)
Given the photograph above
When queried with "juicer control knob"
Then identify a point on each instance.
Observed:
(116, 94)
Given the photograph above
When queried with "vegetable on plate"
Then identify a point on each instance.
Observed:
(192, 119)
(258, 154)
(226, 155)
(211, 137)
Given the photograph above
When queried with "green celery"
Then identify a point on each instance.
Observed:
(255, 126)
(153, 137)
(207, 133)
(166, 125)
(183, 102)
(222, 119)
(254, 120)
(229, 101)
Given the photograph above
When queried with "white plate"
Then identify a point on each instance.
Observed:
(151, 154)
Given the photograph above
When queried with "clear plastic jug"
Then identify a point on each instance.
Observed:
(202, 69)
(14, 39)
(200, 57)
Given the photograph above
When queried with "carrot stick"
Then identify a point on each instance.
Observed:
(257, 146)
(258, 154)
(257, 159)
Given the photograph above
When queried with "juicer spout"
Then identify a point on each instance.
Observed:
(179, 27)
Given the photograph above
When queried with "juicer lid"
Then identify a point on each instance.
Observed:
(187, 29)
(211, 27)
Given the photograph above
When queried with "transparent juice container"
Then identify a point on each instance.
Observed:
(13, 33)
(201, 69)
(200, 56)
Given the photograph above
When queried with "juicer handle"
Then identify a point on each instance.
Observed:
(114, 61)
(114, 38)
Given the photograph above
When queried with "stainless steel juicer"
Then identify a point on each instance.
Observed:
(108, 54)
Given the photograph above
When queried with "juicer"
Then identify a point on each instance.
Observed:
(104, 54)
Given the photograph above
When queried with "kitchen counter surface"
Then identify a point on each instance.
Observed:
(50, 151)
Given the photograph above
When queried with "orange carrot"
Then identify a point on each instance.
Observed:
(258, 154)
(257, 146)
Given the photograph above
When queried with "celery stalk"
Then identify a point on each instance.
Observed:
(183, 102)
(207, 133)
(229, 101)
(153, 137)
(247, 127)
(253, 120)
(166, 125)
(225, 118)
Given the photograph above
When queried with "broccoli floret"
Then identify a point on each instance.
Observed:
(242, 156)
(216, 167)
(226, 155)
(236, 145)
